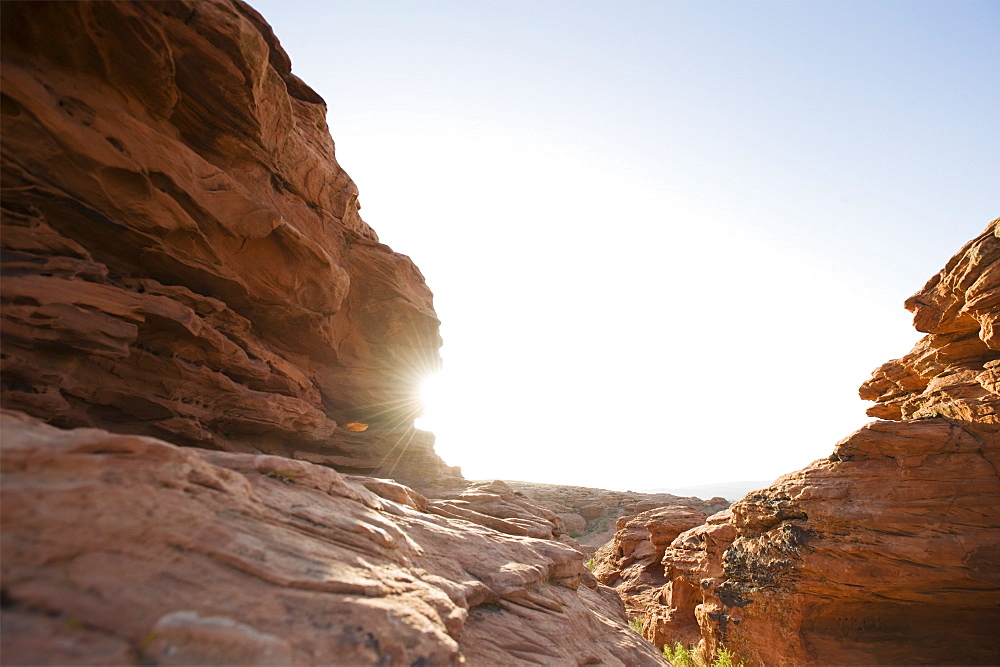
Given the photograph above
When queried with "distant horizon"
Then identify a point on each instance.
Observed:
(667, 240)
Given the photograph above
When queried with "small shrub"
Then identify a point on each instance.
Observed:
(723, 658)
(589, 565)
(679, 656)
(285, 477)
(636, 624)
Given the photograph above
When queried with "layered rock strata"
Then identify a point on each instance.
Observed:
(121, 549)
(182, 255)
(887, 552)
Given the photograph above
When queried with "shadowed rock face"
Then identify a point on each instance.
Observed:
(182, 254)
(887, 552)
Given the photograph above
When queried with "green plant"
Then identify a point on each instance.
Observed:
(286, 477)
(589, 564)
(679, 656)
(636, 624)
(723, 658)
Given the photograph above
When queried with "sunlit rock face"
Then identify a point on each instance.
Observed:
(954, 372)
(183, 256)
(888, 552)
(121, 549)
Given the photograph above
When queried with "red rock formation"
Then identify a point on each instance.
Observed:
(122, 549)
(632, 561)
(182, 254)
(888, 552)
(495, 504)
(953, 372)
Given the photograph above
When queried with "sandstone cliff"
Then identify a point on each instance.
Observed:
(888, 552)
(183, 256)
(223, 353)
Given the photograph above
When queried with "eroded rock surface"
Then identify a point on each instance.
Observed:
(888, 552)
(182, 255)
(632, 561)
(954, 371)
(126, 549)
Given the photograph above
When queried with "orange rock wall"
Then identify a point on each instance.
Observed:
(183, 257)
(888, 552)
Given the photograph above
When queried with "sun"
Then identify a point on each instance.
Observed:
(432, 400)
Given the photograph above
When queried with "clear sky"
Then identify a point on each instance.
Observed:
(667, 240)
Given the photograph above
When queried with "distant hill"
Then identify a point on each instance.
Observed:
(729, 490)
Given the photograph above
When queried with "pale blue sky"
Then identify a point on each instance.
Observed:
(678, 230)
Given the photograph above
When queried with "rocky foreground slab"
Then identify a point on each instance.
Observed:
(122, 549)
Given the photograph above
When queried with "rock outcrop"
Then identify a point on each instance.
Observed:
(121, 549)
(954, 371)
(888, 552)
(591, 515)
(182, 255)
(632, 562)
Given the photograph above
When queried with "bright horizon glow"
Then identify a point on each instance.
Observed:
(667, 240)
